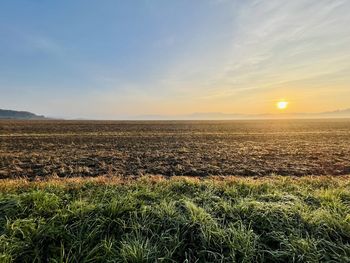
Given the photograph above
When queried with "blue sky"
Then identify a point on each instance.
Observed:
(113, 59)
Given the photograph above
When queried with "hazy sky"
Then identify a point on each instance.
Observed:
(111, 59)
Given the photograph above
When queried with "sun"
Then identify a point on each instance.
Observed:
(281, 105)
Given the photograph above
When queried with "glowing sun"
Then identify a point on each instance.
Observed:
(281, 105)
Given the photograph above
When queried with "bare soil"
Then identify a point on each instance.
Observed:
(170, 148)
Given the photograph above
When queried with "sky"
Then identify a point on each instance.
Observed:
(110, 59)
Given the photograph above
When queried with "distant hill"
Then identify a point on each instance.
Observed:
(19, 115)
(231, 116)
(338, 113)
(25, 115)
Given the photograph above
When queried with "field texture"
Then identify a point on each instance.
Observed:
(154, 219)
(248, 148)
(76, 191)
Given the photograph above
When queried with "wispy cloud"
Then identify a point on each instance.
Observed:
(43, 44)
(166, 41)
(286, 41)
(272, 43)
(228, 55)
(21, 40)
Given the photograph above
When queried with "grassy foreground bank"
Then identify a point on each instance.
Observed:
(153, 219)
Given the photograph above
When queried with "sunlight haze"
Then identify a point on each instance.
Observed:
(115, 59)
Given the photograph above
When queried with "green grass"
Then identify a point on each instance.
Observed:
(150, 219)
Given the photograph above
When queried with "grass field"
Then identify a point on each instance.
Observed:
(242, 191)
(154, 219)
